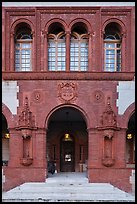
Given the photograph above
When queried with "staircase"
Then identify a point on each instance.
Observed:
(66, 187)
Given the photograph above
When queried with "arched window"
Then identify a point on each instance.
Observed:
(23, 48)
(112, 48)
(56, 48)
(130, 140)
(79, 48)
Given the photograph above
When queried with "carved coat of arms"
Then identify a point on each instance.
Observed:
(67, 91)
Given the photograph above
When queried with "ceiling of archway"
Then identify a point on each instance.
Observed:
(66, 114)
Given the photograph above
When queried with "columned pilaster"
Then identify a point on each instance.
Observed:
(123, 53)
(120, 154)
(45, 51)
(33, 53)
(93, 147)
(67, 51)
(12, 52)
(90, 53)
(40, 149)
(15, 153)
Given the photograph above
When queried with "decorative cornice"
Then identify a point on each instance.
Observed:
(116, 76)
(61, 9)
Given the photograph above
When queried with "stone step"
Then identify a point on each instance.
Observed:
(65, 188)
(70, 188)
(37, 191)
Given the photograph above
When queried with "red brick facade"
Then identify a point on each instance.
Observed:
(91, 98)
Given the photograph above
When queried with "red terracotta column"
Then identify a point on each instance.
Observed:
(40, 150)
(42, 50)
(67, 51)
(33, 53)
(120, 153)
(15, 148)
(123, 53)
(45, 51)
(12, 53)
(93, 151)
(90, 53)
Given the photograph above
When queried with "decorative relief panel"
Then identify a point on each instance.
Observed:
(108, 118)
(67, 92)
(98, 96)
(37, 96)
(26, 124)
(108, 126)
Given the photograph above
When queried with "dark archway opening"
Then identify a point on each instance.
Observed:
(67, 140)
(130, 141)
(5, 141)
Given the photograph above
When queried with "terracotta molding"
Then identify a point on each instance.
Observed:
(121, 76)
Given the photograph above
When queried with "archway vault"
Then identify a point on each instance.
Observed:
(67, 139)
(84, 115)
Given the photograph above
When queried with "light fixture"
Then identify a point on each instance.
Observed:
(129, 136)
(7, 135)
(67, 137)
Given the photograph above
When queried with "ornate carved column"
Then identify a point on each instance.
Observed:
(90, 52)
(108, 127)
(45, 51)
(12, 52)
(33, 53)
(67, 51)
(123, 52)
(26, 125)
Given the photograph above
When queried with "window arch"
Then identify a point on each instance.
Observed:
(79, 48)
(23, 48)
(56, 48)
(112, 48)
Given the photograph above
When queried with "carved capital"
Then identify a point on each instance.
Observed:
(67, 32)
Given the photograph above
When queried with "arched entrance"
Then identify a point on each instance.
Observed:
(67, 140)
(67, 153)
(130, 141)
(5, 141)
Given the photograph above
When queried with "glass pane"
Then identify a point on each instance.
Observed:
(110, 52)
(23, 61)
(17, 45)
(110, 61)
(118, 45)
(108, 45)
(28, 61)
(25, 45)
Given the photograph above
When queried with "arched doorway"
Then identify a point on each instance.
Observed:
(130, 141)
(67, 140)
(67, 153)
(5, 141)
